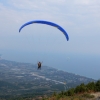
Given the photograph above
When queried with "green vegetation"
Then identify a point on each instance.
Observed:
(81, 92)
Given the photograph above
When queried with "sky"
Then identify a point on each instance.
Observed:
(80, 19)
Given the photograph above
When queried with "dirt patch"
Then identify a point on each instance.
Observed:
(97, 95)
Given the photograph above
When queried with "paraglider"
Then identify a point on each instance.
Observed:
(47, 23)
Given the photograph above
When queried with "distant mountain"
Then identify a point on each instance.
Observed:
(24, 78)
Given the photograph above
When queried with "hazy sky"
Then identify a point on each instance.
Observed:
(81, 20)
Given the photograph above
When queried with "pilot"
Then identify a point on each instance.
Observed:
(39, 65)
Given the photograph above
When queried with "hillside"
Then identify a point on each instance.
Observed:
(23, 79)
(86, 96)
(90, 91)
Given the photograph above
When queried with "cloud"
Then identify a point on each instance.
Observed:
(55, 10)
(76, 14)
(86, 2)
(78, 18)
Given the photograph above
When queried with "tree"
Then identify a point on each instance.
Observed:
(71, 92)
(81, 88)
(97, 86)
(91, 87)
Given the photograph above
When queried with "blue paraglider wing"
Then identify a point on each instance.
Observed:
(48, 23)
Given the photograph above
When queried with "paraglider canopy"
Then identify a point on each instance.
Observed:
(47, 23)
